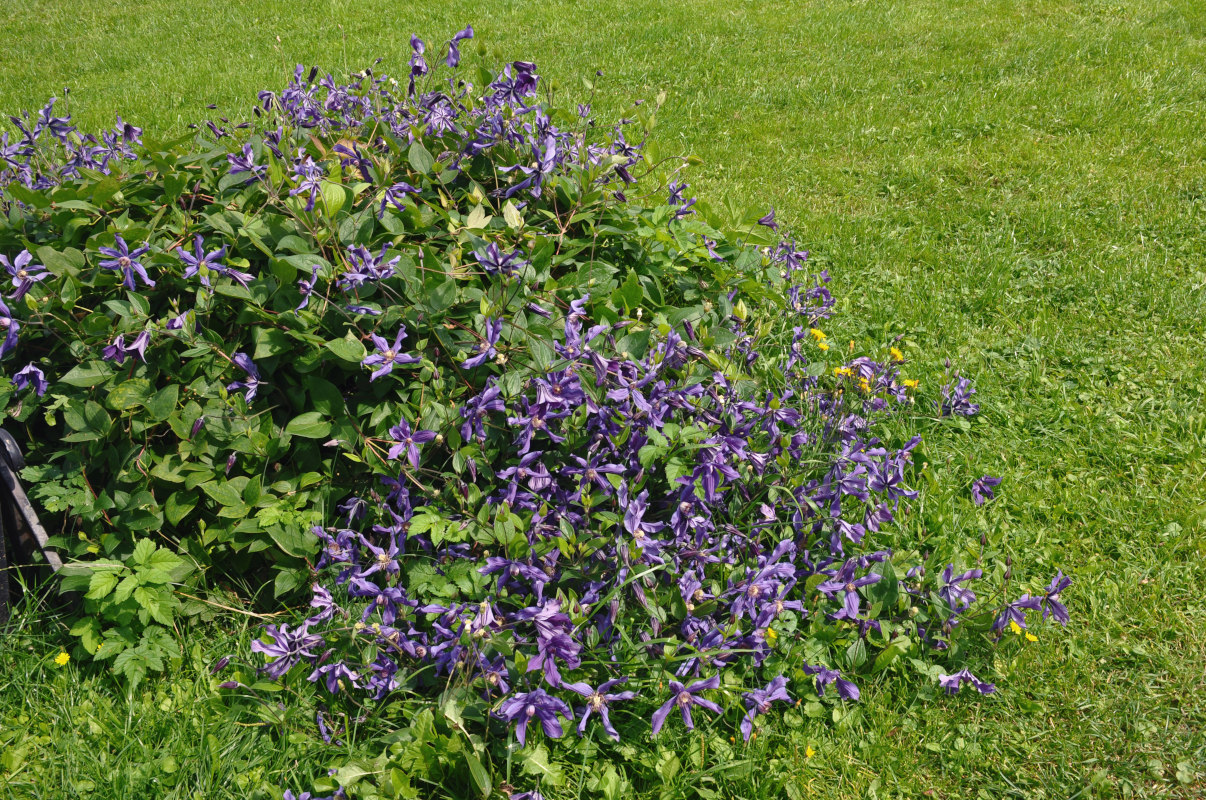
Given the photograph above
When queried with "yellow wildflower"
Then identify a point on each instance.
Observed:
(912, 384)
(771, 635)
(61, 659)
(817, 334)
(896, 354)
(1030, 637)
(809, 752)
(823, 345)
(1016, 628)
(842, 372)
(862, 384)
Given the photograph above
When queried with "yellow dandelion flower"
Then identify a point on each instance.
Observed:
(862, 384)
(896, 354)
(61, 659)
(817, 334)
(771, 635)
(809, 752)
(1030, 637)
(912, 384)
(1016, 628)
(823, 345)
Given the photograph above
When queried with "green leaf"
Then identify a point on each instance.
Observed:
(287, 580)
(512, 216)
(129, 394)
(270, 342)
(349, 348)
(481, 779)
(87, 374)
(143, 551)
(309, 425)
(101, 584)
(161, 404)
(536, 762)
(62, 262)
(334, 197)
(420, 158)
(294, 540)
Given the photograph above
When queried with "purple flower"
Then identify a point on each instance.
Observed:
(125, 261)
(1051, 604)
(684, 697)
(177, 322)
(485, 348)
(597, 700)
(952, 683)
(826, 676)
(474, 411)
(115, 350)
(252, 383)
(759, 702)
(454, 52)
(24, 274)
(408, 442)
(769, 221)
(388, 355)
(139, 345)
(309, 177)
(336, 676)
(287, 648)
(535, 705)
(306, 287)
(246, 163)
(31, 375)
(956, 596)
(393, 196)
(10, 326)
(494, 262)
(201, 263)
(956, 398)
(981, 490)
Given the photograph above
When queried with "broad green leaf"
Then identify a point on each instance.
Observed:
(87, 374)
(129, 394)
(349, 348)
(309, 425)
(420, 158)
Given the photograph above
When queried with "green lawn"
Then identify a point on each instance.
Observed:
(1018, 186)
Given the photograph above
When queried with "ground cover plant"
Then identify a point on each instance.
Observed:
(988, 751)
(618, 462)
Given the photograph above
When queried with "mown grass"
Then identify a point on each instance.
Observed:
(1018, 186)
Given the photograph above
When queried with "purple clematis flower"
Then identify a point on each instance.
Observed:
(24, 274)
(454, 51)
(536, 705)
(306, 287)
(253, 382)
(387, 355)
(10, 326)
(952, 683)
(408, 442)
(336, 676)
(826, 676)
(31, 375)
(485, 348)
(246, 163)
(116, 350)
(287, 648)
(1051, 604)
(201, 263)
(769, 221)
(393, 196)
(122, 259)
(759, 702)
(597, 700)
(981, 490)
(495, 262)
(684, 697)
